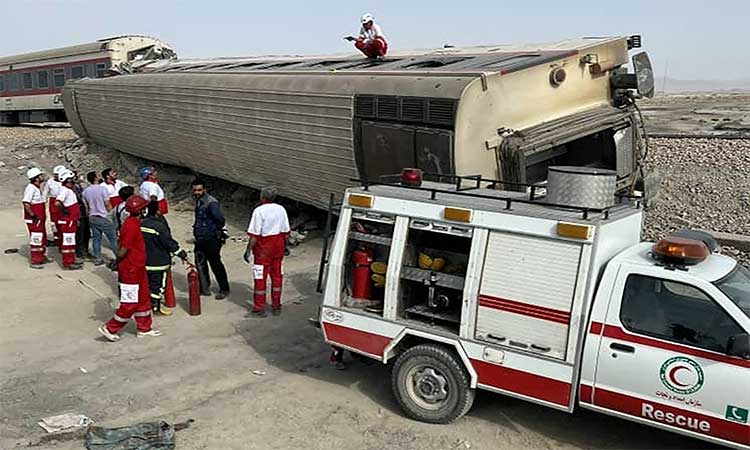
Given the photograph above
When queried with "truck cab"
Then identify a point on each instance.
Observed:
(668, 343)
(543, 295)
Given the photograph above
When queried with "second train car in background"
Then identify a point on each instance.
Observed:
(31, 84)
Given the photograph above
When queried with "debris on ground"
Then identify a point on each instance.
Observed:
(64, 422)
(143, 436)
(260, 373)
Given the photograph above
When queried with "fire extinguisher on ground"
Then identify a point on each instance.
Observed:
(194, 291)
(361, 285)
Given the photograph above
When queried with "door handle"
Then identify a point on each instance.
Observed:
(622, 347)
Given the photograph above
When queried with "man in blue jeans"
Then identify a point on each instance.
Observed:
(96, 197)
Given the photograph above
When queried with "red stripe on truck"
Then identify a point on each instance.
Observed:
(615, 332)
(524, 383)
(525, 309)
(371, 343)
(674, 417)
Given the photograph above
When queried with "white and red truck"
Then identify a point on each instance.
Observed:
(559, 305)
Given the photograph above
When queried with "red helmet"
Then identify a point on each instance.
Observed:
(135, 204)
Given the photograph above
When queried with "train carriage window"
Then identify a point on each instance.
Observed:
(28, 82)
(2, 83)
(43, 79)
(58, 77)
(13, 82)
(101, 69)
(76, 72)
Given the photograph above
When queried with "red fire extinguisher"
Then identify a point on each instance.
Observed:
(194, 291)
(361, 286)
(170, 300)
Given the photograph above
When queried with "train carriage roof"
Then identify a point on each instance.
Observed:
(73, 50)
(504, 58)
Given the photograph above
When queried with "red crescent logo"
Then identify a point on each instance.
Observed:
(673, 377)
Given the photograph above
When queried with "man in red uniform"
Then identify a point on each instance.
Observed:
(51, 189)
(371, 40)
(35, 216)
(67, 222)
(268, 231)
(113, 186)
(135, 296)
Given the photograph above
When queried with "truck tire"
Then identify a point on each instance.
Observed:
(431, 384)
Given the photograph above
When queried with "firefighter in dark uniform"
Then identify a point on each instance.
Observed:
(160, 248)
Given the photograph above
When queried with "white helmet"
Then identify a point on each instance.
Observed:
(58, 170)
(33, 173)
(65, 175)
(367, 18)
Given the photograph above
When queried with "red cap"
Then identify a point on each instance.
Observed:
(135, 204)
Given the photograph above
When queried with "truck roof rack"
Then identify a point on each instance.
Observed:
(466, 184)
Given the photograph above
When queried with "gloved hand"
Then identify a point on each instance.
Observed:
(65, 212)
(350, 38)
(246, 256)
(34, 218)
(182, 254)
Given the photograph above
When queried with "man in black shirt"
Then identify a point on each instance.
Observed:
(208, 231)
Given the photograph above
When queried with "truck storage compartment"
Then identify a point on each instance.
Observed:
(526, 295)
(433, 274)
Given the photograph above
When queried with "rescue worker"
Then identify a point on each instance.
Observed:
(371, 40)
(208, 230)
(268, 231)
(120, 212)
(68, 213)
(135, 300)
(150, 189)
(35, 216)
(83, 231)
(50, 191)
(113, 185)
(160, 247)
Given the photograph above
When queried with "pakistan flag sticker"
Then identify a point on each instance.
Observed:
(736, 414)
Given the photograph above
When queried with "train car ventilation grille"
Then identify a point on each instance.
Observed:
(388, 107)
(413, 109)
(441, 111)
(364, 106)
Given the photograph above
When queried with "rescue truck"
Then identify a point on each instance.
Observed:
(546, 294)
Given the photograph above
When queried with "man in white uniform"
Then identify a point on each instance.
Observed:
(371, 40)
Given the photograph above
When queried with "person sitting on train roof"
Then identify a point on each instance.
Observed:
(371, 40)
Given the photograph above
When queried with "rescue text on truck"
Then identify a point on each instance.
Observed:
(558, 303)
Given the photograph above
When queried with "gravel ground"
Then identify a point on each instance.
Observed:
(705, 184)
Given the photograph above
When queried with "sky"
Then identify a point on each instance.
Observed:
(687, 39)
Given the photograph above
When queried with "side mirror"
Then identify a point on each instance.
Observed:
(644, 74)
(739, 345)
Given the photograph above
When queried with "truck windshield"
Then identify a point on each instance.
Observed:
(736, 286)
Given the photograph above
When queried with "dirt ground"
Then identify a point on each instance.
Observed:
(53, 361)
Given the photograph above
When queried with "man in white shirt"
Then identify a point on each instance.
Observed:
(67, 224)
(113, 185)
(150, 189)
(35, 216)
(268, 231)
(371, 40)
(51, 188)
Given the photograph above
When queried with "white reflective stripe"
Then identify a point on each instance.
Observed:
(62, 222)
(129, 293)
(68, 239)
(276, 289)
(67, 250)
(28, 220)
(36, 238)
(257, 272)
(142, 314)
(120, 319)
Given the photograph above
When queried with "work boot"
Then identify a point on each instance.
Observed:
(99, 262)
(222, 295)
(111, 337)
(48, 260)
(163, 311)
(149, 333)
(76, 266)
(259, 314)
(276, 312)
(205, 293)
(36, 266)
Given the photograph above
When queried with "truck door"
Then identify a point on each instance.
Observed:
(663, 360)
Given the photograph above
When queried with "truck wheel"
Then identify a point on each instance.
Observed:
(431, 384)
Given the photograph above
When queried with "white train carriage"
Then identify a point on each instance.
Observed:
(31, 83)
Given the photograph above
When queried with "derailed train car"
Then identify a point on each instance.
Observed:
(310, 124)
